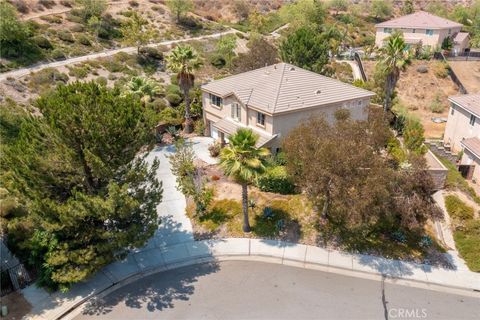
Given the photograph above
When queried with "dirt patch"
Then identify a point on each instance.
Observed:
(418, 91)
(17, 305)
(469, 74)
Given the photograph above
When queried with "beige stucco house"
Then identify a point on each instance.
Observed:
(424, 28)
(463, 132)
(275, 99)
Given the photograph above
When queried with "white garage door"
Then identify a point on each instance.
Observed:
(213, 132)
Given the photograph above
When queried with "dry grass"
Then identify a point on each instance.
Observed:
(469, 74)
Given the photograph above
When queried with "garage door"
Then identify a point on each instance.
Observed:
(213, 132)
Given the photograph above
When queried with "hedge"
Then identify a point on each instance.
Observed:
(457, 209)
(275, 179)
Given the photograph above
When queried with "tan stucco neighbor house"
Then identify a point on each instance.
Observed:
(424, 28)
(275, 99)
(462, 132)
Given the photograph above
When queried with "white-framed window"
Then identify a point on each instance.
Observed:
(236, 110)
(217, 101)
(387, 30)
(429, 32)
(472, 120)
(260, 119)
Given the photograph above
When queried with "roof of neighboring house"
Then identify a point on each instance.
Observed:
(473, 145)
(421, 20)
(460, 37)
(469, 102)
(284, 87)
(230, 127)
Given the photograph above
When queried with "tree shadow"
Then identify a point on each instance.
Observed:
(155, 292)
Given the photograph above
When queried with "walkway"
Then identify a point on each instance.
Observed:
(173, 246)
(35, 68)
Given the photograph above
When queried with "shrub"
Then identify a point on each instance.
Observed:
(67, 3)
(21, 6)
(217, 61)
(47, 3)
(77, 28)
(395, 149)
(199, 126)
(73, 18)
(52, 19)
(457, 209)
(215, 149)
(275, 179)
(440, 69)
(83, 39)
(413, 136)
(42, 42)
(79, 72)
(152, 53)
(437, 106)
(171, 116)
(44, 78)
(173, 99)
(65, 36)
(133, 3)
(102, 81)
(58, 54)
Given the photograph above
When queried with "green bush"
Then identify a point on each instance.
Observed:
(440, 69)
(174, 99)
(171, 116)
(199, 126)
(65, 36)
(467, 241)
(73, 18)
(77, 28)
(413, 136)
(436, 106)
(79, 72)
(58, 54)
(102, 81)
(43, 79)
(83, 39)
(457, 209)
(42, 42)
(152, 53)
(275, 179)
(456, 181)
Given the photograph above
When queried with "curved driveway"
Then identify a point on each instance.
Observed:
(257, 290)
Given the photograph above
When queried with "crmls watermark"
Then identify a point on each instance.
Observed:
(405, 313)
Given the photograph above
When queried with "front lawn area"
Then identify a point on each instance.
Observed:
(466, 231)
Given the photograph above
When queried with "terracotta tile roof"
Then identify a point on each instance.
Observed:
(284, 87)
(420, 20)
(469, 102)
(473, 145)
(460, 37)
(230, 127)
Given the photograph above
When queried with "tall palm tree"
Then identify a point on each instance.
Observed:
(183, 61)
(243, 161)
(143, 87)
(395, 56)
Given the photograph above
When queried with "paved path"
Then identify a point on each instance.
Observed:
(357, 75)
(257, 290)
(35, 68)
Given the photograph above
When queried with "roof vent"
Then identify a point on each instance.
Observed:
(318, 91)
(292, 68)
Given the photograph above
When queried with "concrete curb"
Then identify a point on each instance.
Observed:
(148, 262)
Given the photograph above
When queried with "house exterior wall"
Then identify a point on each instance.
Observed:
(461, 46)
(458, 127)
(434, 40)
(284, 123)
(470, 159)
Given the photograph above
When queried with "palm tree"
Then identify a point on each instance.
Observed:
(395, 57)
(184, 60)
(243, 161)
(143, 87)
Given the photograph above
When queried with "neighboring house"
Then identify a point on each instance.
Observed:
(423, 28)
(463, 132)
(275, 99)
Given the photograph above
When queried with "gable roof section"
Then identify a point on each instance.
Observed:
(473, 145)
(420, 20)
(460, 37)
(284, 87)
(469, 102)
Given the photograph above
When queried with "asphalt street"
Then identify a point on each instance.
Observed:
(257, 290)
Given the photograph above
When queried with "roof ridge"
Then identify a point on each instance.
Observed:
(279, 87)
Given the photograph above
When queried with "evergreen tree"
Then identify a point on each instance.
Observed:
(86, 193)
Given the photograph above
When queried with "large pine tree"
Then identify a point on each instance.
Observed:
(84, 194)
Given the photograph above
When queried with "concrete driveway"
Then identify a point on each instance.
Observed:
(257, 290)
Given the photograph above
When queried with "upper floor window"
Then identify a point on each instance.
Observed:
(449, 31)
(414, 31)
(387, 30)
(260, 119)
(472, 120)
(236, 109)
(217, 101)
(429, 32)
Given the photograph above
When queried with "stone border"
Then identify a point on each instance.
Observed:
(145, 263)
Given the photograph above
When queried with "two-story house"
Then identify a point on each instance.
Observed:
(423, 28)
(275, 99)
(462, 132)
